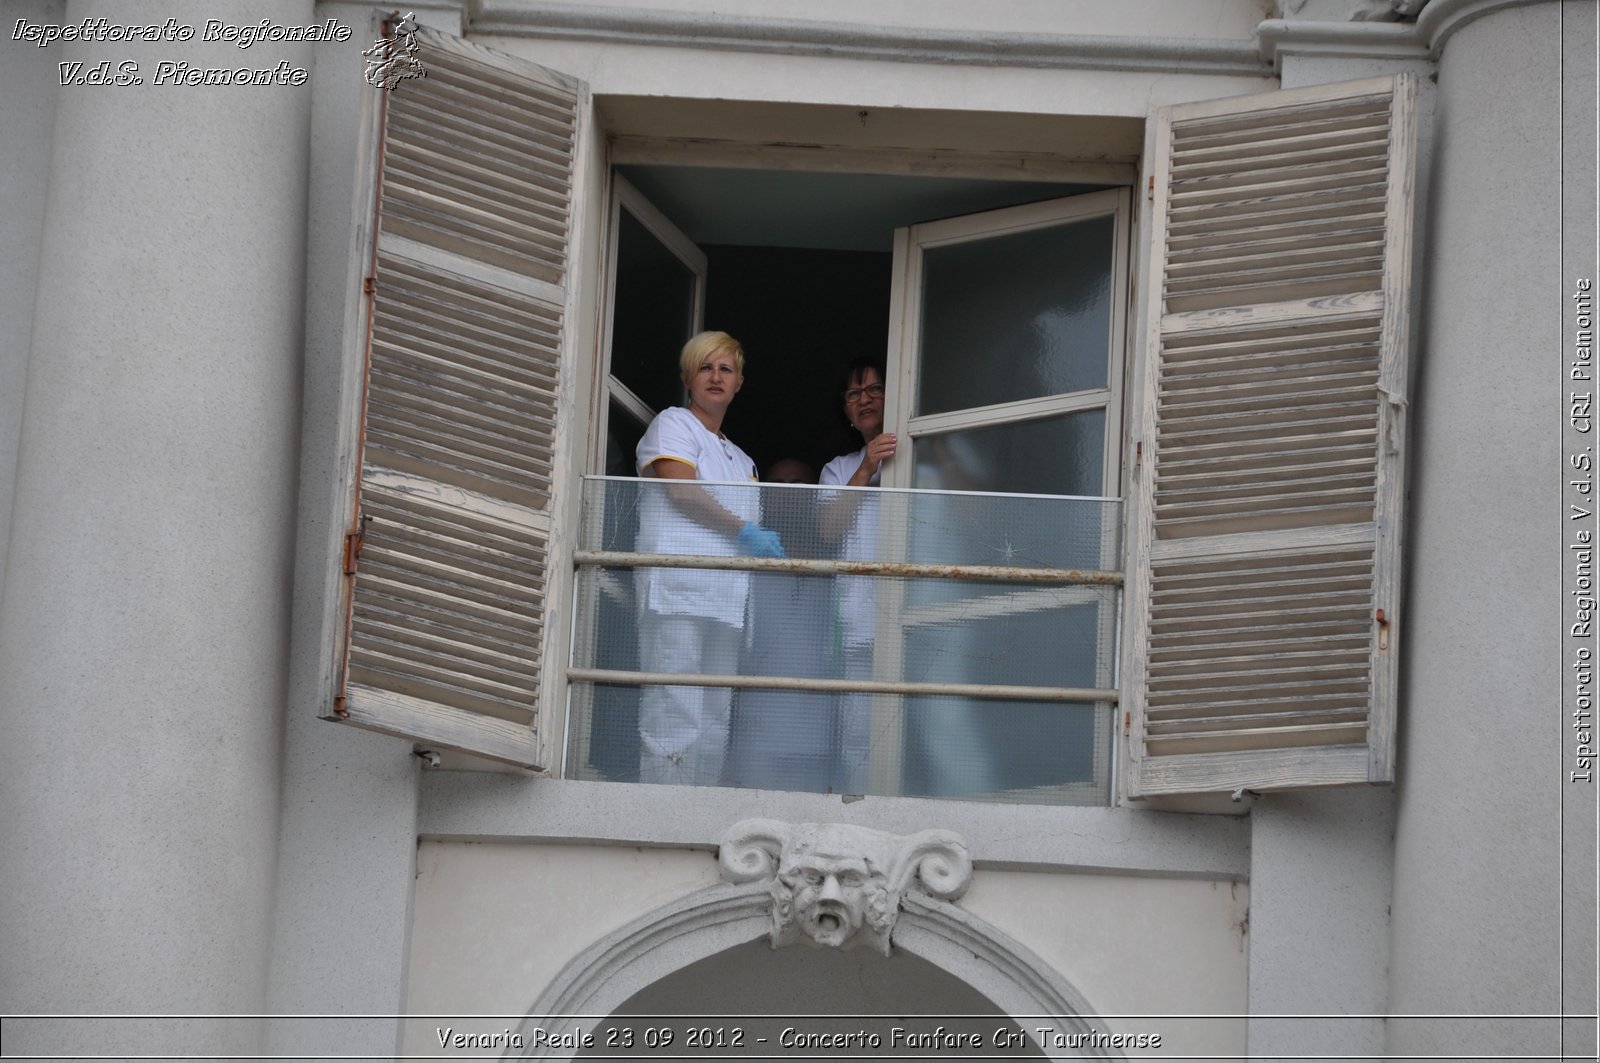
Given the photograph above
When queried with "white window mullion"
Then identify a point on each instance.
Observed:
(1011, 412)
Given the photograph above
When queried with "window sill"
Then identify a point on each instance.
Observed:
(484, 806)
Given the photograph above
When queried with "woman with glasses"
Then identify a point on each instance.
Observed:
(850, 518)
(863, 408)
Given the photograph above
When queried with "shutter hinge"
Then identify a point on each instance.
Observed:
(1138, 452)
(1150, 189)
(1127, 722)
(353, 542)
(1383, 630)
(369, 286)
(338, 708)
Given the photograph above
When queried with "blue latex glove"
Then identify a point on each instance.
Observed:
(759, 542)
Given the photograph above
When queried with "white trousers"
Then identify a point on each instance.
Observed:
(683, 731)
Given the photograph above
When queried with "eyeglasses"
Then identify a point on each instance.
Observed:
(855, 395)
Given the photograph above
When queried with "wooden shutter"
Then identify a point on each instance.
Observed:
(1264, 579)
(445, 561)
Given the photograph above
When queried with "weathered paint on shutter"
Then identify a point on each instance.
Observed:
(1264, 581)
(451, 502)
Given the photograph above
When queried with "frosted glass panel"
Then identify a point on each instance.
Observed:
(1062, 455)
(1016, 317)
(805, 623)
(657, 290)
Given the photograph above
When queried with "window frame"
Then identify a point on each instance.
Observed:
(586, 317)
(622, 195)
(905, 360)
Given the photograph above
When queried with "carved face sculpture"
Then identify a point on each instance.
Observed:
(840, 885)
(829, 894)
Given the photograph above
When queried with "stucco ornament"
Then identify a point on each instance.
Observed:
(1351, 10)
(838, 885)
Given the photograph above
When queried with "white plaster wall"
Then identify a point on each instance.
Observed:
(494, 923)
(347, 841)
(1476, 893)
(623, 67)
(629, 69)
(144, 622)
(27, 122)
(1321, 870)
(1143, 949)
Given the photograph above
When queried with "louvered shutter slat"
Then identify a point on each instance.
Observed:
(445, 635)
(1266, 510)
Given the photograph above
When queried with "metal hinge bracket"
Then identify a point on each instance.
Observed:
(353, 542)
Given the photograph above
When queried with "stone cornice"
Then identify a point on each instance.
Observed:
(486, 806)
(844, 40)
(1421, 40)
(1344, 40)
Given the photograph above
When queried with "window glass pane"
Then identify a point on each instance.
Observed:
(1027, 751)
(1062, 455)
(1016, 317)
(623, 432)
(654, 315)
(613, 711)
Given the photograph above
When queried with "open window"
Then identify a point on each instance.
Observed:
(1264, 452)
(974, 688)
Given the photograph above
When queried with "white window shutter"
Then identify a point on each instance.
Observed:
(1263, 617)
(450, 481)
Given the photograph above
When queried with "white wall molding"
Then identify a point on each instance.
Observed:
(1439, 21)
(483, 806)
(842, 40)
(1423, 39)
(601, 979)
(1281, 38)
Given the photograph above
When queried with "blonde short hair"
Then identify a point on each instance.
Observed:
(703, 346)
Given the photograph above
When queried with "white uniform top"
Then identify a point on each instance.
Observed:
(860, 544)
(664, 528)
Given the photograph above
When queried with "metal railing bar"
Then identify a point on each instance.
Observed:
(1009, 496)
(819, 567)
(988, 691)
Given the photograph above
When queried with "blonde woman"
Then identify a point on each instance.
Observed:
(692, 621)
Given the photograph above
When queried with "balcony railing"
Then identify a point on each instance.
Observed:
(917, 643)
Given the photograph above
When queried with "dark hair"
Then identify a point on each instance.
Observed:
(857, 369)
(853, 372)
